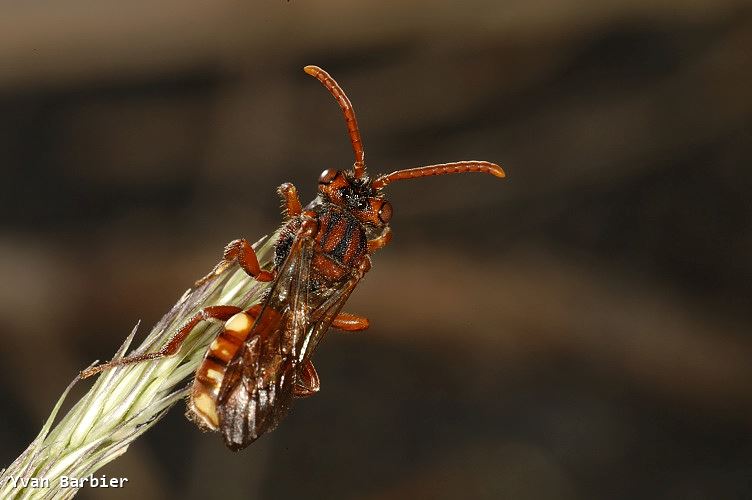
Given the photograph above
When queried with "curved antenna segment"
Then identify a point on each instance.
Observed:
(348, 111)
(459, 167)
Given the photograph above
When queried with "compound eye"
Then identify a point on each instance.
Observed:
(327, 176)
(385, 212)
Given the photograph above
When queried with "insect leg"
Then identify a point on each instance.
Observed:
(380, 241)
(254, 310)
(290, 200)
(172, 346)
(309, 225)
(242, 252)
(307, 383)
(350, 322)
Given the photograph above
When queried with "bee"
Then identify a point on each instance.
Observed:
(261, 361)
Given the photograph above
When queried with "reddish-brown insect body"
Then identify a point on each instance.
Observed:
(261, 360)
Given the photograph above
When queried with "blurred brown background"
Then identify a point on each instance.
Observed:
(580, 330)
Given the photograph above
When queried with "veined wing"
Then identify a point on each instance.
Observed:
(322, 316)
(257, 388)
(259, 384)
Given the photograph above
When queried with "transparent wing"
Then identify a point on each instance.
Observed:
(321, 318)
(299, 300)
(257, 387)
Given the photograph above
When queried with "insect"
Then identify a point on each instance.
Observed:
(261, 360)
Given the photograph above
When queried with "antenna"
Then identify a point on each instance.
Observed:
(359, 167)
(459, 167)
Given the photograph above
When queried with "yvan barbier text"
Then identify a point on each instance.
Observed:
(90, 481)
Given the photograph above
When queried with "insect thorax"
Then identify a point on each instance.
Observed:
(339, 244)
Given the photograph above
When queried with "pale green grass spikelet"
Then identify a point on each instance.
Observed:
(126, 401)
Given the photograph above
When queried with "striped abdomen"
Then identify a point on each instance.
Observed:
(203, 403)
